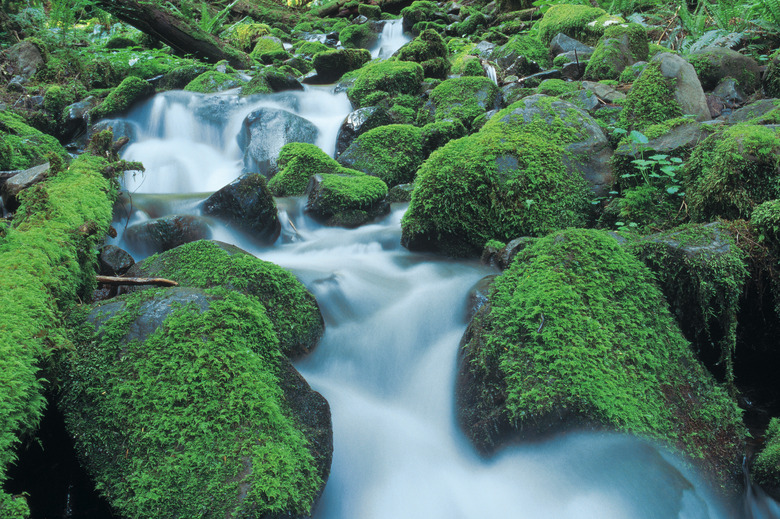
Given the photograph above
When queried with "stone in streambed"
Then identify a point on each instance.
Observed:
(346, 200)
(265, 131)
(161, 234)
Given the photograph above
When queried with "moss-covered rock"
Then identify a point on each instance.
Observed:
(714, 64)
(266, 44)
(522, 55)
(421, 11)
(766, 466)
(393, 153)
(462, 99)
(177, 407)
(22, 146)
(294, 313)
(557, 87)
(213, 81)
(244, 36)
(389, 77)
(130, 91)
(297, 163)
(358, 36)
(271, 79)
(577, 335)
(771, 79)
(499, 183)
(430, 51)
(575, 21)
(435, 135)
(733, 171)
(310, 48)
(650, 101)
(621, 46)
(332, 64)
(765, 219)
(347, 200)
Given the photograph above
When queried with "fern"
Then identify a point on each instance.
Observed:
(767, 11)
(213, 24)
(694, 23)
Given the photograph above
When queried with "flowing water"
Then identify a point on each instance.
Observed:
(388, 359)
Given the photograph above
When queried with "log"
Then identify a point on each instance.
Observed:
(183, 36)
(115, 280)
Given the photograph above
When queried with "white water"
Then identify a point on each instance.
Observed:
(387, 361)
(391, 39)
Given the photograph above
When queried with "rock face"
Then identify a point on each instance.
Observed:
(23, 179)
(161, 234)
(168, 388)
(576, 335)
(247, 204)
(114, 261)
(265, 131)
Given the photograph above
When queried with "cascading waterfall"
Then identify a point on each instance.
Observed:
(391, 39)
(388, 359)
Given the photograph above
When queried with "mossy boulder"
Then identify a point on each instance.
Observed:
(430, 51)
(308, 49)
(462, 99)
(265, 45)
(332, 64)
(435, 135)
(244, 36)
(621, 46)
(246, 204)
(499, 183)
(166, 232)
(270, 79)
(180, 77)
(130, 91)
(22, 146)
(213, 81)
(346, 200)
(714, 64)
(392, 153)
(179, 404)
(771, 79)
(388, 77)
(522, 55)
(358, 36)
(261, 153)
(297, 163)
(421, 11)
(293, 311)
(576, 21)
(765, 219)
(576, 335)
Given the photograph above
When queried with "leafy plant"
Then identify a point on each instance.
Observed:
(213, 24)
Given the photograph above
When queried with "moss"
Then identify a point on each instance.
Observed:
(196, 406)
(495, 184)
(733, 171)
(556, 87)
(13, 507)
(257, 85)
(339, 193)
(297, 163)
(129, 91)
(435, 135)
(212, 81)
(577, 333)
(473, 25)
(643, 208)
(463, 98)
(527, 47)
(358, 36)
(428, 45)
(419, 11)
(702, 273)
(609, 58)
(392, 152)
(766, 466)
(266, 44)
(332, 64)
(650, 101)
(765, 219)
(290, 307)
(389, 77)
(771, 80)
(22, 146)
(310, 48)
(571, 20)
(372, 12)
(47, 261)
(244, 36)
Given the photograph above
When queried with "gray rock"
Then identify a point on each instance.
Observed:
(722, 63)
(120, 128)
(478, 295)
(687, 88)
(265, 131)
(562, 44)
(751, 111)
(605, 92)
(584, 99)
(161, 234)
(534, 80)
(114, 261)
(23, 61)
(676, 142)
(484, 49)
(352, 127)
(247, 205)
(574, 70)
(22, 179)
(730, 92)
(75, 119)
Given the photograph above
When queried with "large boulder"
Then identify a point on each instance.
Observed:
(522, 55)
(580, 22)
(22, 146)
(430, 51)
(388, 78)
(266, 130)
(248, 205)
(298, 163)
(181, 404)
(22, 60)
(332, 64)
(462, 99)
(714, 64)
(164, 233)
(346, 200)
(576, 335)
(392, 153)
(621, 46)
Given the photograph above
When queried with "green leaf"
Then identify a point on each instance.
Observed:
(672, 189)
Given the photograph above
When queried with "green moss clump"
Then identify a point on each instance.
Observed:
(571, 20)
(347, 200)
(257, 85)
(499, 183)
(463, 99)
(358, 36)
(372, 12)
(622, 45)
(430, 51)
(290, 307)
(650, 101)
(310, 48)
(297, 163)
(266, 44)
(765, 219)
(244, 36)
(435, 135)
(733, 171)
(332, 64)
(129, 91)
(22, 146)
(771, 78)
(532, 50)
(212, 81)
(387, 77)
(556, 87)
(393, 153)
(47, 262)
(766, 466)
(419, 11)
(576, 334)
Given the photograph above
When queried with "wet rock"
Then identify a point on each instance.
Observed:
(352, 126)
(562, 44)
(265, 131)
(752, 111)
(478, 295)
(400, 193)
(534, 80)
(120, 128)
(574, 70)
(605, 92)
(114, 261)
(161, 234)
(75, 118)
(246, 204)
(333, 64)
(730, 92)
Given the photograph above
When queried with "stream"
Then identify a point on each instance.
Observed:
(387, 361)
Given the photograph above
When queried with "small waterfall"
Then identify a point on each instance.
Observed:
(391, 39)
(490, 70)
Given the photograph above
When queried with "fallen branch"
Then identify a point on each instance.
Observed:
(115, 280)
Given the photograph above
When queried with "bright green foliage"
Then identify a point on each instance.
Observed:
(290, 307)
(266, 44)
(47, 259)
(310, 48)
(766, 467)
(701, 272)
(650, 101)
(257, 85)
(297, 163)
(392, 152)
(332, 64)
(22, 146)
(13, 507)
(526, 46)
(771, 79)
(213, 81)
(347, 200)
(571, 20)
(419, 11)
(733, 171)
(577, 327)
(243, 36)
(766, 220)
(372, 12)
(389, 77)
(436, 135)
(131, 90)
(463, 99)
(430, 51)
(500, 183)
(609, 58)
(358, 36)
(192, 419)
(556, 87)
